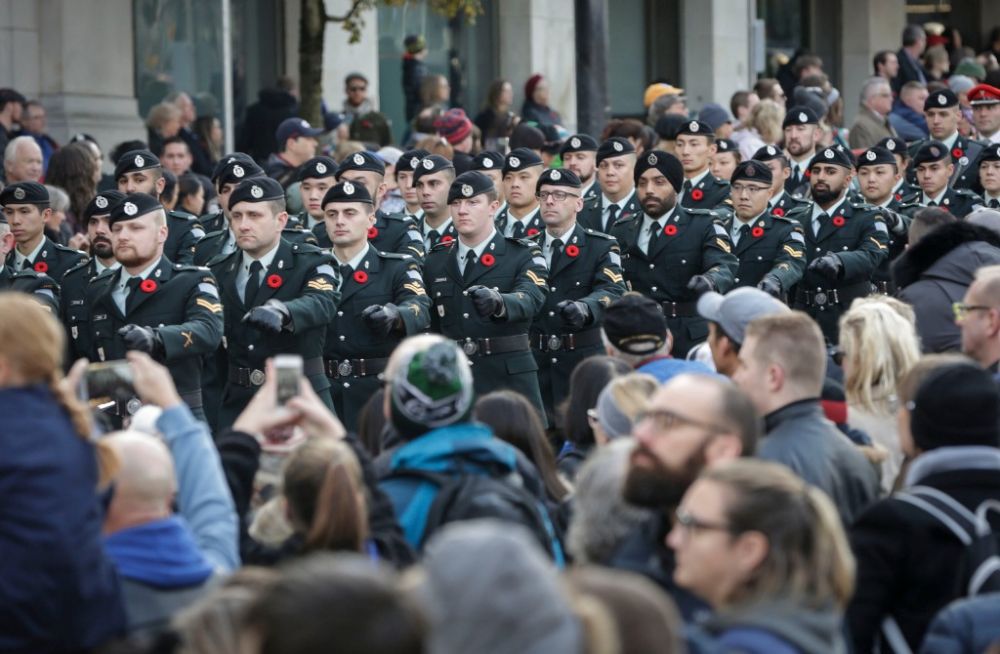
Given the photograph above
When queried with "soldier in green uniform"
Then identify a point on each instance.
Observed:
(26, 208)
(407, 164)
(521, 218)
(618, 198)
(169, 311)
(491, 163)
(585, 276)
(74, 314)
(316, 177)
(802, 133)
(40, 286)
(771, 249)
(903, 188)
(701, 189)
(673, 254)
(486, 290)
(432, 179)
(933, 165)
(989, 175)
(845, 243)
(781, 203)
(279, 296)
(878, 175)
(579, 155)
(382, 300)
(943, 114)
(236, 166)
(139, 171)
(390, 233)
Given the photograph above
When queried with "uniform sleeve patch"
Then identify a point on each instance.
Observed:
(723, 245)
(535, 277)
(209, 289)
(792, 251)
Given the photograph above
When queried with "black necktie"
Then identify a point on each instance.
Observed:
(253, 283)
(470, 264)
(932, 203)
(556, 252)
(25, 264)
(654, 236)
(744, 230)
(433, 237)
(345, 272)
(133, 293)
(518, 231)
(686, 188)
(612, 216)
(994, 204)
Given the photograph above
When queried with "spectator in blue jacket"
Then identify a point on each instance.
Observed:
(907, 115)
(965, 625)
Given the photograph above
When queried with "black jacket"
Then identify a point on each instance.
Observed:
(935, 273)
(257, 138)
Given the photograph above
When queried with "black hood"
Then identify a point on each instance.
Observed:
(915, 261)
(277, 98)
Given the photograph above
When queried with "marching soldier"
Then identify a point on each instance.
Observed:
(486, 290)
(172, 312)
(781, 203)
(245, 166)
(845, 243)
(989, 175)
(316, 177)
(382, 301)
(801, 128)
(943, 115)
(585, 276)
(933, 165)
(40, 286)
(771, 249)
(878, 176)
(139, 171)
(701, 189)
(521, 218)
(26, 208)
(491, 163)
(903, 188)
(618, 199)
(407, 164)
(279, 296)
(579, 155)
(432, 179)
(673, 254)
(726, 158)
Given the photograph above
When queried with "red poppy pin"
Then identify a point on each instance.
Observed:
(372, 232)
(41, 267)
(447, 238)
(532, 232)
(697, 194)
(958, 153)
(778, 211)
(572, 251)
(147, 285)
(488, 260)
(838, 221)
(360, 276)
(898, 196)
(757, 232)
(670, 230)
(807, 173)
(274, 281)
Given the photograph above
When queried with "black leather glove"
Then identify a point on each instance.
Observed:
(489, 303)
(574, 314)
(770, 285)
(828, 265)
(272, 316)
(895, 222)
(701, 284)
(382, 318)
(143, 339)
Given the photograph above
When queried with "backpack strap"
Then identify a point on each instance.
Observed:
(944, 508)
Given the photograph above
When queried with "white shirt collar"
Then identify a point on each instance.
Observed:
(950, 141)
(606, 201)
(774, 199)
(478, 248)
(586, 189)
(818, 211)
(356, 261)
(927, 200)
(527, 218)
(648, 220)
(125, 276)
(100, 267)
(697, 179)
(440, 228)
(19, 258)
(987, 197)
(549, 237)
(265, 260)
(739, 222)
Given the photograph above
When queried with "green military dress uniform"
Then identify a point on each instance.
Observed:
(391, 233)
(690, 242)
(532, 227)
(709, 193)
(180, 302)
(958, 202)
(769, 245)
(52, 260)
(593, 191)
(898, 239)
(355, 355)
(857, 234)
(497, 347)
(223, 242)
(964, 154)
(183, 233)
(592, 214)
(212, 222)
(588, 270)
(787, 204)
(300, 276)
(41, 287)
(74, 313)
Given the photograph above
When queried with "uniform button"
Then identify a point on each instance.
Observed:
(737, 280)
(340, 313)
(845, 247)
(342, 337)
(161, 324)
(250, 347)
(578, 283)
(552, 313)
(551, 288)
(684, 260)
(817, 249)
(347, 384)
(651, 266)
(759, 257)
(465, 315)
(438, 294)
(653, 288)
(465, 292)
(555, 360)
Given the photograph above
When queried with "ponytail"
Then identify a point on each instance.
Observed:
(339, 523)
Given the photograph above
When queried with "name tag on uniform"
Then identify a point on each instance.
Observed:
(101, 316)
(441, 310)
(440, 279)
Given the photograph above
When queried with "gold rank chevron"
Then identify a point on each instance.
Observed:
(875, 241)
(535, 278)
(415, 288)
(211, 306)
(613, 276)
(792, 251)
(320, 285)
(725, 246)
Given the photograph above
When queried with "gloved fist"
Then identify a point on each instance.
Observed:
(770, 285)
(272, 317)
(143, 339)
(382, 318)
(828, 265)
(701, 284)
(574, 314)
(895, 222)
(488, 302)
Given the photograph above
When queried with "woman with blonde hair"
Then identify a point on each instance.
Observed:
(768, 552)
(763, 128)
(619, 404)
(162, 122)
(878, 345)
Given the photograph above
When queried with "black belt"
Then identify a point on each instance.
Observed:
(825, 297)
(494, 345)
(885, 287)
(253, 377)
(567, 342)
(353, 367)
(679, 309)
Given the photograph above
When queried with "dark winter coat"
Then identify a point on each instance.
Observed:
(967, 626)
(257, 138)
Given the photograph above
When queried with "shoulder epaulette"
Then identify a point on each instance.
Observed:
(596, 234)
(392, 255)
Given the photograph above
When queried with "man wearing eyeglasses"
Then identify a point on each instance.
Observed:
(978, 317)
(585, 277)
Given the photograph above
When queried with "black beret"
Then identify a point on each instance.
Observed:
(227, 160)
(989, 153)
(134, 161)
(666, 163)
(727, 145)
(318, 168)
(752, 171)
(615, 146)
(876, 156)
(931, 151)
(894, 145)
(558, 177)
(259, 189)
(238, 170)
(520, 159)
(488, 160)
(132, 206)
(635, 324)
(469, 184)
(347, 192)
(24, 193)
(579, 143)
(432, 163)
(362, 161)
(833, 156)
(767, 153)
(101, 204)
(667, 125)
(941, 100)
(410, 160)
(696, 128)
(800, 115)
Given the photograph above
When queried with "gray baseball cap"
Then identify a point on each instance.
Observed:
(737, 308)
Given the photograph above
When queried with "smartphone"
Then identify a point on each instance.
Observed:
(288, 368)
(109, 384)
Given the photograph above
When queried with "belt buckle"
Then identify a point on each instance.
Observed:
(257, 377)
(554, 342)
(820, 299)
(470, 347)
(344, 368)
(132, 406)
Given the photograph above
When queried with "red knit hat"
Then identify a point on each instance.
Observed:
(453, 125)
(529, 86)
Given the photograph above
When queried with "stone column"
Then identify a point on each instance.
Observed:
(592, 65)
(715, 49)
(868, 28)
